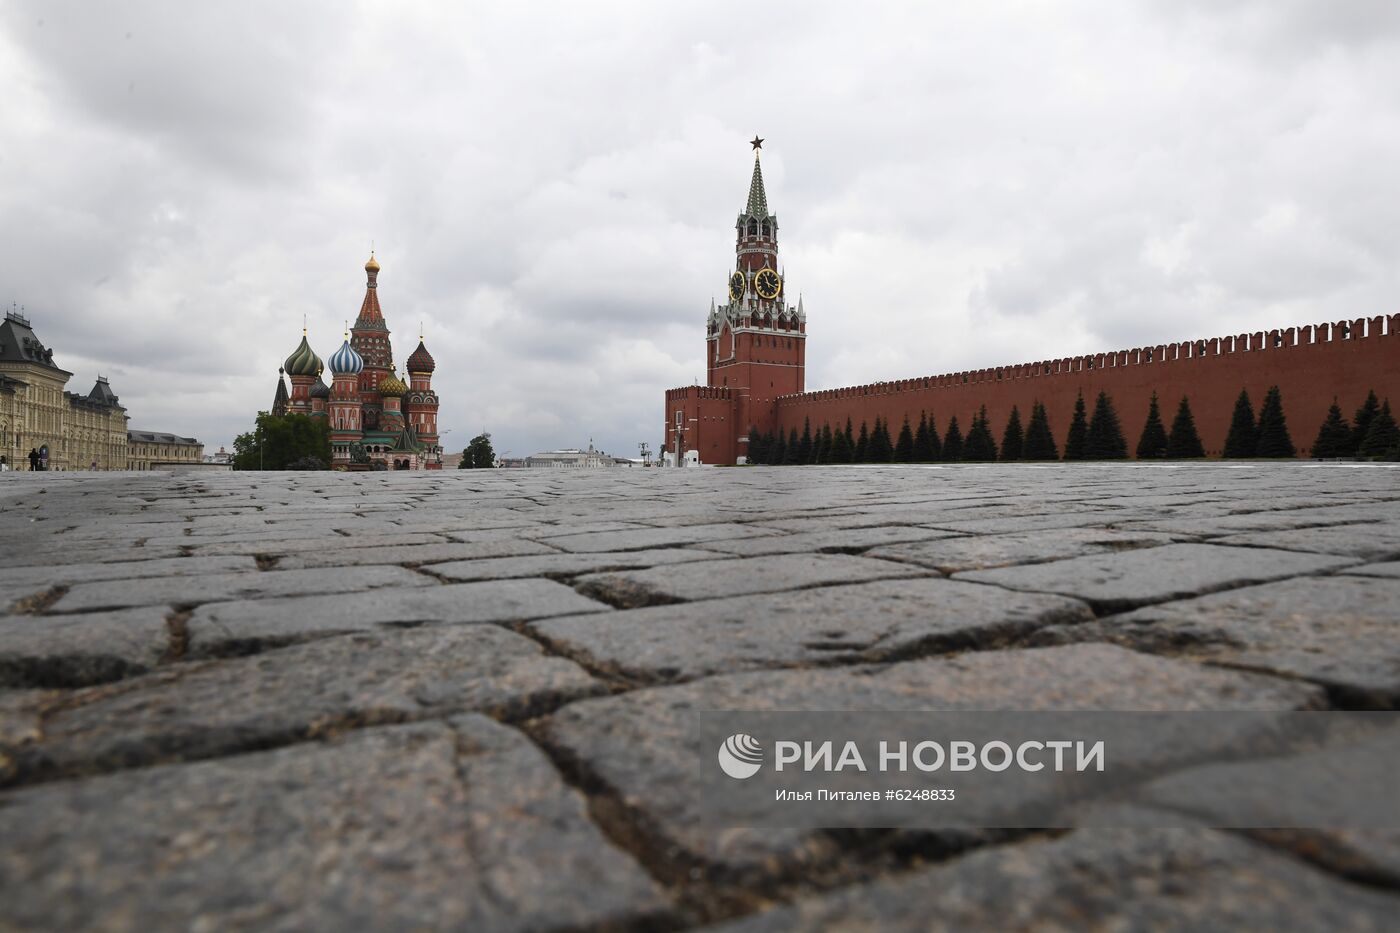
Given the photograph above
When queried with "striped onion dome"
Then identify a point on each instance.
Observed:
(421, 361)
(346, 360)
(320, 389)
(392, 385)
(303, 361)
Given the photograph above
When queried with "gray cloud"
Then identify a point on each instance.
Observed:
(551, 188)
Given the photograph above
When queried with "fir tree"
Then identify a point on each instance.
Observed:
(904, 448)
(850, 442)
(862, 448)
(1153, 443)
(881, 450)
(804, 446)
(1273, 428)
(1383, 436)
(1184, 443)
(953, 441)
(1076, 442)
(1362, 422)
(1243, 439)
(935, 446)
(1105, 440)
(1040, 441)
(1334, 437)
(825, 445)
(758, 451)
(840, 447)
(979, 445)
(777, 450)
(923, 451)
(1013, 439)
(792, 453)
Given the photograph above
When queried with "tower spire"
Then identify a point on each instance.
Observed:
(758, 199)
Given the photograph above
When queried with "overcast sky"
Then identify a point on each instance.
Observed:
(552, 188)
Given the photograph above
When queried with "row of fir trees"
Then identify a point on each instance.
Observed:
(1096, 436)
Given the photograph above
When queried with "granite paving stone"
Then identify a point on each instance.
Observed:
(831, 625)
(201, 710)
(80, 650)
(638, 745)
(1342, 632)
(713, 579)
(567, 565)
(204, 588)
(1377, 541)
(20, 581)
(1387, 569)
(847, 540)
(278, 544)
(1180, 879)
(460, 825)
(654, 537)
(416, 554)
(237, 626)
(979, 552)
(1118, 581)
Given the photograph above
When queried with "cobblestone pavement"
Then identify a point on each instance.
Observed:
(389, 701)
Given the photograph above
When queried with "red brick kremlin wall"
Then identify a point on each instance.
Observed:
(1310, 365)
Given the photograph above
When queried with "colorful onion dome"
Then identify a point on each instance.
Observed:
(373, 264)
(421, 361)
(392, 386)
(320, 389)
(303, 361)
(346, 360)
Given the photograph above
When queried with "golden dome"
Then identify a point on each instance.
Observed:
(392, 385)
(373, 264)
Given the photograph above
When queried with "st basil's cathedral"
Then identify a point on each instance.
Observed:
(374, 416)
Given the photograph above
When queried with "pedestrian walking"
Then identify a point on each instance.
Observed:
(33, 459)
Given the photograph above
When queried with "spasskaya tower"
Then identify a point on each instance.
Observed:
(755, 346)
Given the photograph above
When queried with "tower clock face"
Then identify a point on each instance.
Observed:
(736, 286)
(767, 283)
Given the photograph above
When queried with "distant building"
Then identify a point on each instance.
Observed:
(156, 450)
(70, 431)
(571, 458)
(376, 419)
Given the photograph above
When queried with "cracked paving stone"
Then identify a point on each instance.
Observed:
(839, 624)
(714, 579)
(206, 588)
(639, 744)
(80, 650)
(1342, 632)
(984, 552)
(203, 710)
(463, 825)
(566, 565)
(237, 627)
(1112, 582)
(1171, 879)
